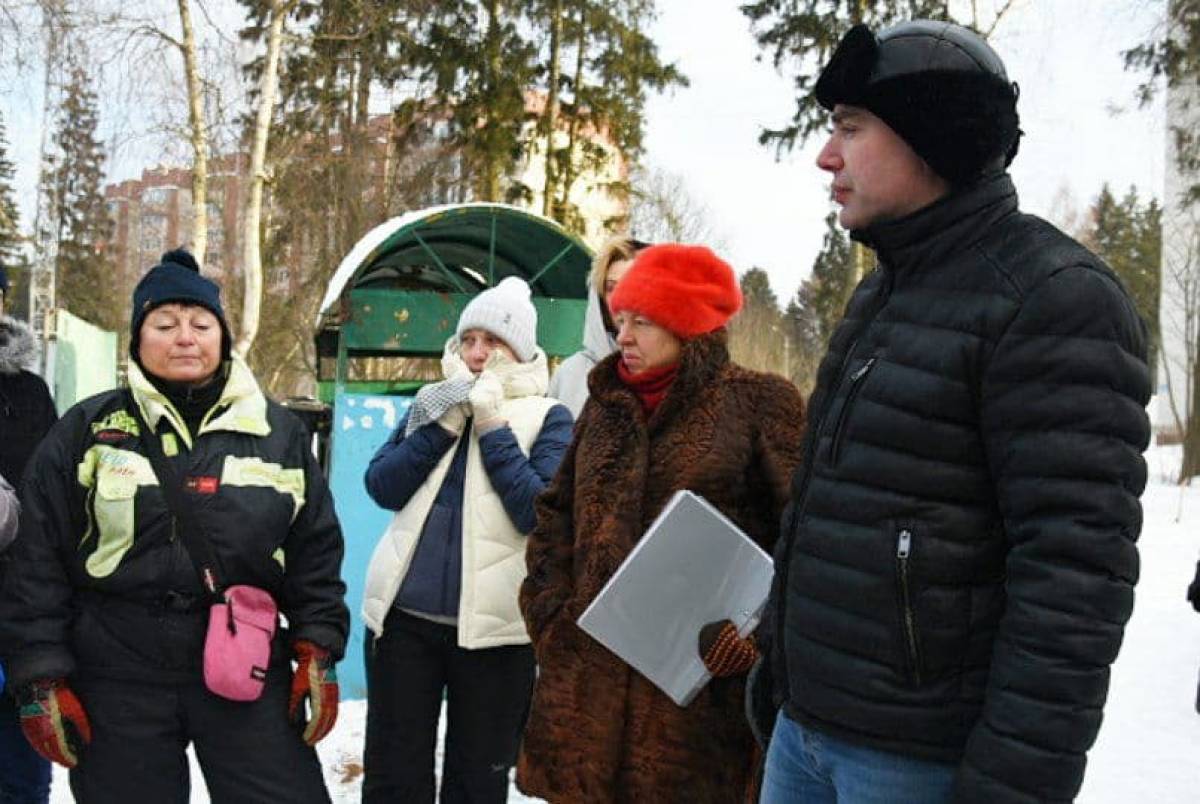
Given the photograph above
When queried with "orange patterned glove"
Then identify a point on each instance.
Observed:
(54, 721)
(724, 652)
(315, 679)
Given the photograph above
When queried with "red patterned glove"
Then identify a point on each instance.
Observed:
(724, 652)
(315, 679)
(54, 721)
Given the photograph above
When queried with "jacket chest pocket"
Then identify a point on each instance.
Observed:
(855, 382)
(113, 511)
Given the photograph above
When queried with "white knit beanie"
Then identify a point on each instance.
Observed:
(507, 312)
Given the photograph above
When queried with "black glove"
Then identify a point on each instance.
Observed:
(1194, 589)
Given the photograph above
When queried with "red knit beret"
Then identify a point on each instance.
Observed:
(686, 289)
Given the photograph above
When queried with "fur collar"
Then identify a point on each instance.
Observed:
(18, 350)
(700, 361)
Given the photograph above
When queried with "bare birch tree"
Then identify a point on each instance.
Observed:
(187, 46)
(662, 208)
(252, 232)
(197, 133)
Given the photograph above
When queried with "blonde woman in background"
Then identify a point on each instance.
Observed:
(569, 383)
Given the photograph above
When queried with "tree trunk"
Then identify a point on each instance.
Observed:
(199, 135)
(251, 234)
(491, 162)
(569, 178)
(1190, 466)
(551, 118)
(357, 173)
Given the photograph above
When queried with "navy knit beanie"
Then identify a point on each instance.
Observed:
(176, 279)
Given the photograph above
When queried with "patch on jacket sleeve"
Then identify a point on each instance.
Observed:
(257, 472)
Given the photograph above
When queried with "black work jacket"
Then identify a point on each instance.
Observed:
(99, 582)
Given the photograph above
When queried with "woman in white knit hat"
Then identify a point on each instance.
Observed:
(461, 471)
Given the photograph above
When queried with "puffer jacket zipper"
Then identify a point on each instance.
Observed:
(908, 619)
(856, 383)
(810, 450)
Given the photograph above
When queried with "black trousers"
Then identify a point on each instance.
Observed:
(487, 695)
(248, 752)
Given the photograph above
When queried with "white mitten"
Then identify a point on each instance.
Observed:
(486, 396)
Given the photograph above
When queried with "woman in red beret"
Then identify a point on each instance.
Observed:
(668, 411)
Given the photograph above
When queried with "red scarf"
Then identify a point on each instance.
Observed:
(651, 385)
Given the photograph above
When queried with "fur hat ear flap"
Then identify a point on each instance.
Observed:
(844, 79)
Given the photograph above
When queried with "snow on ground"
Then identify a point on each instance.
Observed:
(1147, 748)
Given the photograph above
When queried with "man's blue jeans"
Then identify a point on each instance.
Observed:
(808, 767)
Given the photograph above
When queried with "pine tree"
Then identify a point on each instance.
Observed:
(12, 254)
(331, 180)
(820, 302)
(599, 69)
(1173, 55)
(757, 337)
(1128, 236)
(480, 60)
(802, 35)
(85, 275)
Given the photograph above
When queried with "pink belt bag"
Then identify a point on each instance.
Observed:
(237, 649)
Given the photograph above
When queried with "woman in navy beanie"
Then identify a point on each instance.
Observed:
(104, 617)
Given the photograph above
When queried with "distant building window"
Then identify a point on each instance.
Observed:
(157, 196)
(153, 233)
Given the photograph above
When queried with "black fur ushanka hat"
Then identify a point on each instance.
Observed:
(939, 86)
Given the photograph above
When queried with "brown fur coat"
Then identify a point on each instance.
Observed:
(599, 731)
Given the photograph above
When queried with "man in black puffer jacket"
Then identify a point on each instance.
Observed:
(959, 556)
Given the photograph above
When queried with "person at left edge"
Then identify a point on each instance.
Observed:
(102, 618)
(26, 414)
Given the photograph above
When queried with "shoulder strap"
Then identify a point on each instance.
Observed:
(199, 548)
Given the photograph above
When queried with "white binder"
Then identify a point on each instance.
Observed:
(692, 567)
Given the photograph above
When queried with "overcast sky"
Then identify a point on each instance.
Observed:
(1065, 54)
